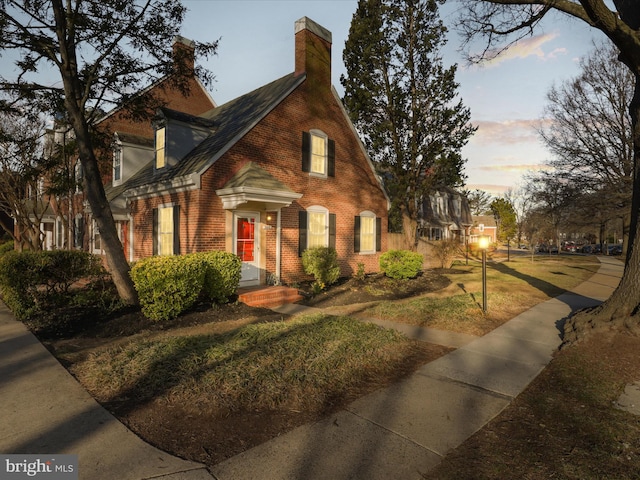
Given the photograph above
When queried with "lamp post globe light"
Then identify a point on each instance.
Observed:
(483, 244)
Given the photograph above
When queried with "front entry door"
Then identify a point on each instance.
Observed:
(246, 245)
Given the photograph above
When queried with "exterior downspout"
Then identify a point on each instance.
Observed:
(130, 237)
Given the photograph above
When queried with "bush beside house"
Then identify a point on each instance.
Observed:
(169, 285)
(401, 264)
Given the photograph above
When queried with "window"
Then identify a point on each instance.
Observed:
(166, 230)
(317, 228)
(436, 234)
(117, 165)
(318, 154)
(367, 233)
(160, 148)
(95, 238)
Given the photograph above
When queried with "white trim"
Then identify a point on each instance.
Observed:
(273, 199)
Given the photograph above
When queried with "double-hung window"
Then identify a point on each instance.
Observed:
(317, 228)
(160, 158)
(117, 165)
(166, 230)
(367, 233)
(318, 154)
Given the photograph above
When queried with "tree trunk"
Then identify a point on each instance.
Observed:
(621, 310)
(74, 101)
(101, 212)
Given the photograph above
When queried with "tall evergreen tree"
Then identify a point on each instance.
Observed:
(403, 100)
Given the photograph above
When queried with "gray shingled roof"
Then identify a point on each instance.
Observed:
(231, 121)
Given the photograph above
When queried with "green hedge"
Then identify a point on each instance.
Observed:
(168, 286)
(322, 263)
(223, 275)
(33, 280)
(401, 264)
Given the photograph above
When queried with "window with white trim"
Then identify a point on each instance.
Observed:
(117, 165)
(367, 233)
(160, 143)
(96, 240)
(317, 227)
(318, 152)
(165, 230)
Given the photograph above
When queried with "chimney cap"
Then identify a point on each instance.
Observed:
(305, 23)
(184, 41)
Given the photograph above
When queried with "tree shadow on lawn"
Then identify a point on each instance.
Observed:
(545, 287)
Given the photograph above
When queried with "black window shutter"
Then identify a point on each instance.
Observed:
(306, 152)
(176, 230)
(331, 158)
(378, 234)
(154, 234)
(356, 234)
(332, 230)
(302, 232)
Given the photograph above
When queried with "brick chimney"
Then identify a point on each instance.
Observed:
(183, 55)
(313, 52)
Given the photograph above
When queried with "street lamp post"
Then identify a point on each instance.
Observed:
(483, 244)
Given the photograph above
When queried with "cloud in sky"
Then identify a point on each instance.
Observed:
(517, 168)
(508, 132)
(527, 47)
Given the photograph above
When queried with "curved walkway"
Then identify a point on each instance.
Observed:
(398, 432)
(405, 430)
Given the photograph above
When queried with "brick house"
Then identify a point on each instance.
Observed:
(264, 176)
(67, 222)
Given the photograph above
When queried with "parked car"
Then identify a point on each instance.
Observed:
(615, 249)
(587, 249)
(553, 249)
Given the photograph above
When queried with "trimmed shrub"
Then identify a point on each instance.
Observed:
(401, 264)
(6, 247)
(34, 280)
(223, 275)
(168, 286)
(322, 263)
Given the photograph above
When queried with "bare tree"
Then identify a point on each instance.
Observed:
(590, 134)
(22, 195)
(511, 20)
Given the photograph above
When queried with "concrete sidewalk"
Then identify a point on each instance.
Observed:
(405, 430)
(46, 411)
(398, 432)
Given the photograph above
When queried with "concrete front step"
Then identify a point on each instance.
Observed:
(268, 296)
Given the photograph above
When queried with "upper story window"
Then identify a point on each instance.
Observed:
(117, 165)
(318, 154)
(160, 151)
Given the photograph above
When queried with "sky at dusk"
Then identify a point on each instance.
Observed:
(506, 96)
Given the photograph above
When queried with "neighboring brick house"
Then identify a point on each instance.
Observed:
(484, 225)
(70, 224)
(264, 176)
